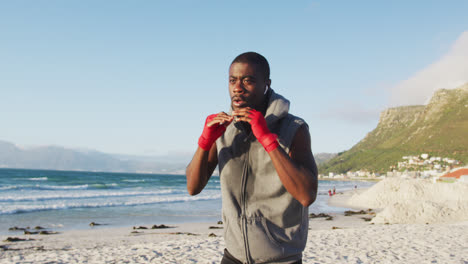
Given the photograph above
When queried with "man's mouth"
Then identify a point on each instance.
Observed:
(238, 101)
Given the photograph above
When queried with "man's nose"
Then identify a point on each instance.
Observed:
(238, 88)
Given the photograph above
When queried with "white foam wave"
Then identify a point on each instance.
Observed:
(65, 187)
(45, 187)
(126, 180)
(14, 209)
(77, 195)
(38, 179)
(10, 187)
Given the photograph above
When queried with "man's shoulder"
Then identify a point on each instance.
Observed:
(293, 120)
(289, 125)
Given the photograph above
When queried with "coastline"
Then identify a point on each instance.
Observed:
(344, 239)
(349, 180)
(341, 199)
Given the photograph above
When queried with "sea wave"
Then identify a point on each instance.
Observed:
(78, 195)
(38, 179)
(16, 209)
(64, 187)
(126, 180)
(10, 187)
(45, 187)
(103, 185)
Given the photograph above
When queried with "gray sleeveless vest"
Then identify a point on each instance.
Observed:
(263, 223)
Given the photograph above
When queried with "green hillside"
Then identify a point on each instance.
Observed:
(439, 128)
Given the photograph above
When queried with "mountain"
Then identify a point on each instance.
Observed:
(60, 158)
(321, 158)
(439, 128)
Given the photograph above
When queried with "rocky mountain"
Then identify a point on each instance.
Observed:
(439, 128)
(60, 158)
(321, 158)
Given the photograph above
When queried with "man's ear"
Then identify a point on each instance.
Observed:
(267, 85)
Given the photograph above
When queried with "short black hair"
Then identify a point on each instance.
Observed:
(257, 59)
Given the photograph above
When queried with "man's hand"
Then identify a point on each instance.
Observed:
(215, 125)
(259, 127)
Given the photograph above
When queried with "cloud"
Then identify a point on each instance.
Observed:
(448, 72)
(352, 112)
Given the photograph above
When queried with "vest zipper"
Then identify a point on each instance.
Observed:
(244, 205)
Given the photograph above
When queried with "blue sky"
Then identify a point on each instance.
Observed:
(139, 77)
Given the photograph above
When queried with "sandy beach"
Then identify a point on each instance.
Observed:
(342, 239)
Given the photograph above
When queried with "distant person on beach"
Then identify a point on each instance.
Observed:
(267, 171)
(330, 193)
(334, 191)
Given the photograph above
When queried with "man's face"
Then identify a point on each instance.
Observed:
(246, 86)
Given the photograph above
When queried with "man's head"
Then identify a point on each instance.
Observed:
(249, 79)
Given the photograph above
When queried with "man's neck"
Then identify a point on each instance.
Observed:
(264, 105)
(244, 126)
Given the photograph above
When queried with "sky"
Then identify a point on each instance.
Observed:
(140, 77)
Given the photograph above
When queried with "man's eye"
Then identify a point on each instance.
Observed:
(232, 81)
(247, 81)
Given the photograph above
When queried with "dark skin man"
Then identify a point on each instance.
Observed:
(297, 169)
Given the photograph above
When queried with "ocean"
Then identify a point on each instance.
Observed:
(64, 200)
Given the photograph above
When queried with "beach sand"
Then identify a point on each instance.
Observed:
(344, 239)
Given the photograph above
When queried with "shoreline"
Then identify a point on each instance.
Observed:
(344, 239)
(63, 220)
(333, 239)
(350, 180)
(336, 201)
(340, 199)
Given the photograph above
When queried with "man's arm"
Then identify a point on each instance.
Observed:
(200, 169)
(298, 171)
(204, 161)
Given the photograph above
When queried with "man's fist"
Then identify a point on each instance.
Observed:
(259, 127)
(215, 125)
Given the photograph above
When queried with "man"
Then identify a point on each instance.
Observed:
(267, 170)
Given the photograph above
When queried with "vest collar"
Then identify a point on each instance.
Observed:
(278, 107)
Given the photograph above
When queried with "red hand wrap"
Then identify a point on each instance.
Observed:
(261, 131)
(210, 134)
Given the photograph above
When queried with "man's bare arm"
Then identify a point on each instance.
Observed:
(298, 171)
(204, 161)
(200, 169)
